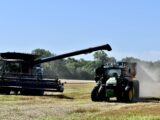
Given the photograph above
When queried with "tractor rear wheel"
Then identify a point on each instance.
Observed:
(136, 88)
(132, 94)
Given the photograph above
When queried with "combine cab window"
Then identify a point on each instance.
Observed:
(12, 67)
(1, 66)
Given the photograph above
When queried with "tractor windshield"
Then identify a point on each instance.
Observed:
(113, 71)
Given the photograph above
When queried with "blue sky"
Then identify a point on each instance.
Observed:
(131, 27)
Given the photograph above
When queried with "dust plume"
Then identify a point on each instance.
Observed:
(149, 78)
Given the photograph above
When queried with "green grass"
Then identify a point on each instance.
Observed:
(90, 116)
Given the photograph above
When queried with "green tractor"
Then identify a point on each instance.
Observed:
(116, 81)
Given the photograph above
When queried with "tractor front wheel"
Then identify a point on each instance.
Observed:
(94, 94)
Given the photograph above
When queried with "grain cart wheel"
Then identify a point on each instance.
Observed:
(94, 93)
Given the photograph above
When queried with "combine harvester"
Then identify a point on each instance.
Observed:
(22, 73)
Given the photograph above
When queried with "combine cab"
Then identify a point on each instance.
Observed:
(22, 73)
(116, 80)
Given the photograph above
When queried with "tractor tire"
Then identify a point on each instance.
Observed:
(98, 94)
(94, 94)
(136, 88)
(102, 94)
(132, 95)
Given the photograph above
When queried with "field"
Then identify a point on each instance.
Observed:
(74, 104)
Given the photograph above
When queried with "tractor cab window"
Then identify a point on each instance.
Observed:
(114, 72)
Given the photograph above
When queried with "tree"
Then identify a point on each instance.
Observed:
(100, 58)
(42, 52)
(53, 68)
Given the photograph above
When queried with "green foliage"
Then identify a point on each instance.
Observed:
(71, 68)
(55, 68)
(41, 52)
(79, 69)
(101, 57)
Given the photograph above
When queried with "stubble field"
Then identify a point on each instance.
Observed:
(75, 104)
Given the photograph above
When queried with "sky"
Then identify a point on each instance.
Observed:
(131, 27)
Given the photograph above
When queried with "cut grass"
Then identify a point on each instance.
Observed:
(73, 104)
(90, 117)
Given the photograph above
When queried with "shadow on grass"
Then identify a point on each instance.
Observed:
(149, 99)
(141, 99)
(60, 96)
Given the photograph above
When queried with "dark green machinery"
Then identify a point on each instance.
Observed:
(116, 80)
(21, 73)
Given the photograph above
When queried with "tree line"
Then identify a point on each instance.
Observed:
(71, 68)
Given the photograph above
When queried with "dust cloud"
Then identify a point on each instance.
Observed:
(149, 79)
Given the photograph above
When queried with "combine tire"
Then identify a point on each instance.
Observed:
(39, 93)
(60, 89)
(5, 91)
(32, 92)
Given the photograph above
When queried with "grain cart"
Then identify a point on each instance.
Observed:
(116, 80)
(22, 73)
